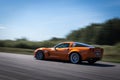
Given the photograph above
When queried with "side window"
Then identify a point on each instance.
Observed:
(78, 45)
(63, 45)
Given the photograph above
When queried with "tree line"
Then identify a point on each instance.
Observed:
(106, 33)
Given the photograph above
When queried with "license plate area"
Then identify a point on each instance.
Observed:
(98, 52)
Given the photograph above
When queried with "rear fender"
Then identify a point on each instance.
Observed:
(74, 51)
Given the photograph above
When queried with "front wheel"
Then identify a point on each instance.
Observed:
(75, 58)
(39, 55)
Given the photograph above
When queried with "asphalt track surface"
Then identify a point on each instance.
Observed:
(25, 67)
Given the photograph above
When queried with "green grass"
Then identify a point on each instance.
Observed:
(17, 50)
(112, 53)
(111, 59)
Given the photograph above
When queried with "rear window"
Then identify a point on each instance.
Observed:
(77, 44)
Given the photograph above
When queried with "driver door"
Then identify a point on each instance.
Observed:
(61, 50)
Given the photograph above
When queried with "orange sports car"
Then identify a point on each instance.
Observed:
(74, 52)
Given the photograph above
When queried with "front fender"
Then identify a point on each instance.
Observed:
(38, 49)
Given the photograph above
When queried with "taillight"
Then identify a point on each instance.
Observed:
(96, 49)
(92, 49)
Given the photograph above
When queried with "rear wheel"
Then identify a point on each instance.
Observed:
(39, 55)
(75, 58)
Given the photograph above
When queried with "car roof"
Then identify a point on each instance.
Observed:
(87, 45)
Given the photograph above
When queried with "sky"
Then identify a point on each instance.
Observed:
(39, 20)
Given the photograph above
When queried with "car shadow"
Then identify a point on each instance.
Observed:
(97, 64)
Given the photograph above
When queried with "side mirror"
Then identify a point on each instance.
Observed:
(55, 48)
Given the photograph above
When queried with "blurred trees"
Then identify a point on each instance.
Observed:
(26, 44)
(106, 33)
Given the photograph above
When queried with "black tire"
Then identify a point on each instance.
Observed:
(75, 58)
(39, 55)
(91, 61)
